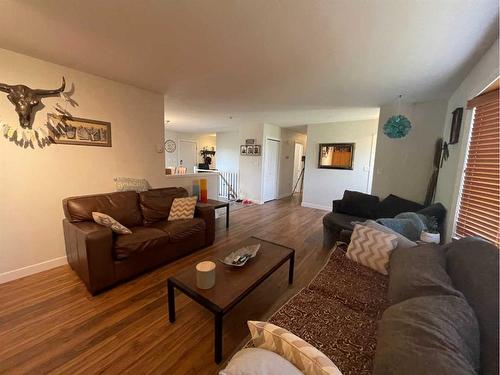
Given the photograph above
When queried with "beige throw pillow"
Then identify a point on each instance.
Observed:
(371, 248)
(300, 353)
(182, 208)
(109, 222)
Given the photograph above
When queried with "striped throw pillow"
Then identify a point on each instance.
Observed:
(371, 248)
(300, 353)
(182, 208)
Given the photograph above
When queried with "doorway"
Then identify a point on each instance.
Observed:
(271, 168)
(297, 165)
(188, 155)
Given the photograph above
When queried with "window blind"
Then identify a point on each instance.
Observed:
(479, 206)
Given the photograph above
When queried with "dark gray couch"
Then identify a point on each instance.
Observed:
(444, 315)
(356, 206)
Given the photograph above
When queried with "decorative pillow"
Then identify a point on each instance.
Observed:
(111, 223)
(303, 355)
(131, 184)
(255, 361)
(182, 208)
(371, 248)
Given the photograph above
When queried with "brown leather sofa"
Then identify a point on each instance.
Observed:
(102, 258)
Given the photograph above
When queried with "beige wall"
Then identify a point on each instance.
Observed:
(403, 166)
(201, 139)
(33, 182)
(450, 175)
(288, 140)
(322, 186)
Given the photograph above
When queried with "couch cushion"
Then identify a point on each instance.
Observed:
(472, 264)
(179, 230)
(393, 205)
(341, 221)
(155, 204)
(428, 335)
(358, 204)
(417, 272)
(121, 206)
(142, 239)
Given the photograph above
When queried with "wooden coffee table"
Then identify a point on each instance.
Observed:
(232, 284)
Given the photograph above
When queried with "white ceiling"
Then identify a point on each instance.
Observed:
(287, 62)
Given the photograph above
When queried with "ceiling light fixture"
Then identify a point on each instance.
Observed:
(397, 126)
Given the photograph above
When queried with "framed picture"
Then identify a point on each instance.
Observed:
(243, 150)
(456, 123)
(257, 150)
(79, 131)
(250, 150)
(249, 141)
(336, 155)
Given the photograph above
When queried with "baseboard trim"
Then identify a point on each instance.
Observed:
(317, 206)
(30, 270)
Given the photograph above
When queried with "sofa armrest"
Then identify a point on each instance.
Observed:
(336, 205)
(207, 213)
(89, 248)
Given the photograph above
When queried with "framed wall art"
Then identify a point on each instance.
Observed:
(456, 123)
(79, 131)
(336, 155)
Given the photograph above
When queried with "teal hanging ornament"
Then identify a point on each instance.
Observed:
(397, 126)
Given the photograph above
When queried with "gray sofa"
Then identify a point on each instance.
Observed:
(443, 313)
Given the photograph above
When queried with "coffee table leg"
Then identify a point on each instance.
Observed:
(171, 301)
(290, 269)
(218, 337)
(227, 216)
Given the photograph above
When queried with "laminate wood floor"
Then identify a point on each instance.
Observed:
(49, 323)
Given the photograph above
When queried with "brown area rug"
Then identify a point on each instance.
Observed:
(338, 313)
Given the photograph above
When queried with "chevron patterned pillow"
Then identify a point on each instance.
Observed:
(300, 353)
(182, 208)
(371, 248)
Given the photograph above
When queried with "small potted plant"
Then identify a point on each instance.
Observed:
(431, 235)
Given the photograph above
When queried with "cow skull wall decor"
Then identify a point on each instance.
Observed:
(26, 99)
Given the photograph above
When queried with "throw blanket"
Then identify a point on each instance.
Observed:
(409, 224)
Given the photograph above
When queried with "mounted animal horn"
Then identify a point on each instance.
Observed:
(41, 92)
(26, 99)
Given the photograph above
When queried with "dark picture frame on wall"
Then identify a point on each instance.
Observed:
(68, 130)
(456, 123)
(336, 155)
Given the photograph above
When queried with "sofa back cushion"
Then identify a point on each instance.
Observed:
(156, 203)
(393, 205)
(428, 335)
(121, 206)
(472, 264)
(358, 204)
(417, 272)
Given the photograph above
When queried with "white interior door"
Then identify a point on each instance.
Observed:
(188, 155)
(271, 163)
(297, 164)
